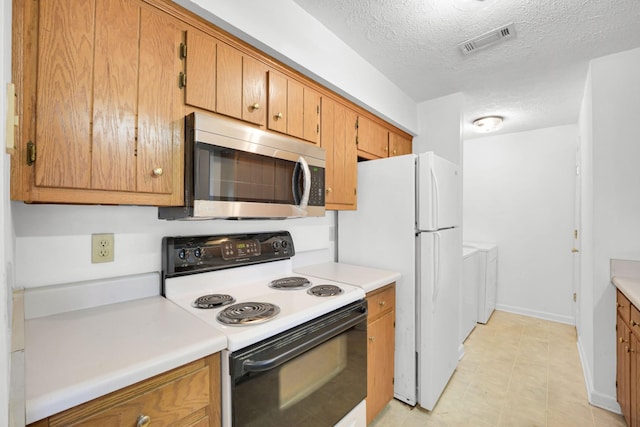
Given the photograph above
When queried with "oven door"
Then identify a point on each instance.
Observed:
(312, 375)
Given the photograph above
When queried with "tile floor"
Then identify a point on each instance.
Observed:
(517, 371)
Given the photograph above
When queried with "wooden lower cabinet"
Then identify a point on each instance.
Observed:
(628, 360)
(381, 346)
(187, 396)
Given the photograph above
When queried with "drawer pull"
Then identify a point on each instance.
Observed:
(255, 106)
(144, 421)
(381, 303)
(634, 323)
(372, 339)
(158, 171)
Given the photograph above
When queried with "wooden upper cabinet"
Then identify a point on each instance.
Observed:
(339, 141)
(399, 145)
(200, 66)
(254, 91)
(229, 81)
(373, 139)
(105, 95)
(277, 99)
(294, 108)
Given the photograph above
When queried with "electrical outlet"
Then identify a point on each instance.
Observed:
(102, 248)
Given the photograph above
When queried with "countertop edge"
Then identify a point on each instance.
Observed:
(630, 287)
(49, 404)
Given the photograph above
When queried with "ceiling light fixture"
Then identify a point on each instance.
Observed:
(488, 123)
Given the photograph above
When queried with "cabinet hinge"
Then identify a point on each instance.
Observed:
(357, 122)
(318, 129)
(317, 109)
(575, 297)
(355, 193)
(31, 153)
(182, 80)
(183, 50)
(357, 140)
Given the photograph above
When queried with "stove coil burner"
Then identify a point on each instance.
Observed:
(325, 290)
(290, 283)
(213, 301)
(246, 313)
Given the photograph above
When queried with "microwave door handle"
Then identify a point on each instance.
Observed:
(307, 183)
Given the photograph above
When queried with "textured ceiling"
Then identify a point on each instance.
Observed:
(534, 80)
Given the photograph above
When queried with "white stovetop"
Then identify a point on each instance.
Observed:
(296, 306)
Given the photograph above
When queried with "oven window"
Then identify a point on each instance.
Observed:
(317, 388)
(230, 175)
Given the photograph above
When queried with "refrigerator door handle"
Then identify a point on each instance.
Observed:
(435, 199)
(436, 271)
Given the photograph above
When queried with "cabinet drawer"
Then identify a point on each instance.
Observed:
(624, 306)
(182, 396)
(381, 301)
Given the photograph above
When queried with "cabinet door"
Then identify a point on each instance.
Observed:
(115, 95)
(64, 99)
(634, 380)
(277, 102)
(229, 78)
(311, 115)
(623, 366)
(380, 364)
(338, 139)
(373, 139)
(200, 63)
(159, 112)
(399, 145)
(295, 109)
(254, 91)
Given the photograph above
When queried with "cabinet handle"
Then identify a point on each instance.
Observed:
(385, 149)
(618, 304)
(395, 152)
(256, 106)
(622, 340)
(381, 303)
(143, 421)
(158, 171)
(372, 339)
(630, 350)
(634, 323)
(278, 116)
(329, 190)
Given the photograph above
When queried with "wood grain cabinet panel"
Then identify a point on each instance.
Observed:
(627, 359)
(338, 138)
(98, 83)
(200, 70)
(380, 351)
(295, 109)
(399, 145)
(311, 119)
(229, 81)
(254, 91)
(373, 139)
(185, 396)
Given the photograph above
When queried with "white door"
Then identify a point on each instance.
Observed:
(438, 188)
(576, 242)
(438, 288)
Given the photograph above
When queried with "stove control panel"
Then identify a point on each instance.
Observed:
(195, 254)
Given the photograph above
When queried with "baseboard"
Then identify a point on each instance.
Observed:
(460, 351)
(569, 320)
(596, 398)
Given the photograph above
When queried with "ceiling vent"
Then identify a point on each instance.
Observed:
(489, 38)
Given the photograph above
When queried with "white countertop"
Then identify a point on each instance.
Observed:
(630, 287)
(367, 278)
(76, 356)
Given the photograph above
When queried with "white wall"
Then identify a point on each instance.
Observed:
(287, 32)
(612, 183)
(518, 193)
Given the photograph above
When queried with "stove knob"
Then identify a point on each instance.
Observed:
(182, 254)
(284, 244)
(197, 253)
(275, 245)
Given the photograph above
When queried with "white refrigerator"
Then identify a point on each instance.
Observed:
(408, 220)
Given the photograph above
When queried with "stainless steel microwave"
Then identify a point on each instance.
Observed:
(233, 170)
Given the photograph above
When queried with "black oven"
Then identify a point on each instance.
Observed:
(312, 375)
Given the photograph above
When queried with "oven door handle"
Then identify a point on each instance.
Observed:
(267, 364)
